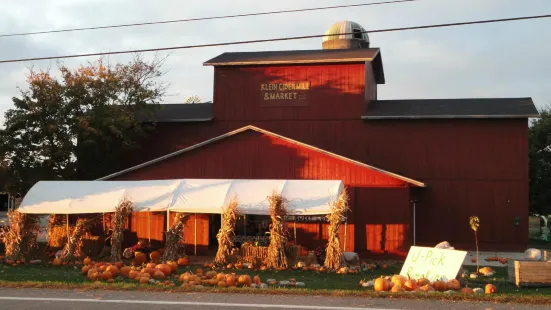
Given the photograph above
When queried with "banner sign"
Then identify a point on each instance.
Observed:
(308, 219)
(432, 264)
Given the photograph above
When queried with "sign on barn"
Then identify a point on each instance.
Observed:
(433, 264)
(284, 94)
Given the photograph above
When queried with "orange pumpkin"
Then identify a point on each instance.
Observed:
(87, 261)
(159, 275)
(149, 271)
(56, 261)
(220, 277)
(221, 284)
(85, 269)
(183, 261)
(106, 275)
(427, 288)
(490, 289)
(454, 285)
(144, 280)
(125, 271)
(422, 282)
(245, 280)
(90, 271)
(410, 285)
(381, 285)
(398, 280)
(211, 274)
(173, 266)
(113, 270)
(102, 268)
(440, 286)
(166, 269)
(397, 289)
(256, 280)
(230, 280)
(199, 272)
(94, 276)
(155, 256)
(139, 258)
(467, 291)
(151, 265)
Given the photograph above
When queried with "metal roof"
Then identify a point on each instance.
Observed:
(179, 112)
(451, 108)
(357, 55)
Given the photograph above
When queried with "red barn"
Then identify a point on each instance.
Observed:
(416, 170)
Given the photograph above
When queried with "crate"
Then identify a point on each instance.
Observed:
(529, 273)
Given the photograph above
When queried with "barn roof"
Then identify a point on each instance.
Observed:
(303, 57)
(451, 108)
(253, 128)
(179, 112)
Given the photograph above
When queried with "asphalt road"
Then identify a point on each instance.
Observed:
(44, 299)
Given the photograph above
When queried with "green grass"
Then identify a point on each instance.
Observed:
(316, 283)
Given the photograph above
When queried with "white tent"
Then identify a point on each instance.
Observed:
(208, 196)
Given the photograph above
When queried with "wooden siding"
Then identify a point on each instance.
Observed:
(473, 167)
(252, 155)
(335, 92)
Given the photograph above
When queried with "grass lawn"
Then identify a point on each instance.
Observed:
(316, 283)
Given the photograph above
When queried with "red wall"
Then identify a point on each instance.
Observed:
(252, 155)
(473, 167)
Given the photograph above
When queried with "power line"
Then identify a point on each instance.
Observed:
(276, 39)
(205, 18)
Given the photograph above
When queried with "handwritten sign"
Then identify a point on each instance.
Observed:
(433, 264)
(284, 94)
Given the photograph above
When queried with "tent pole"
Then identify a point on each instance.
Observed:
(345, 231)
(67, 217)
(195, 236)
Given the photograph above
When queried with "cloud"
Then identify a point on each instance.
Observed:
(493, 60)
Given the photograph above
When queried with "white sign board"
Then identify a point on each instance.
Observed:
(432, 263)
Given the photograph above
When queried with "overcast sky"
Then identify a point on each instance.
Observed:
(509, 59)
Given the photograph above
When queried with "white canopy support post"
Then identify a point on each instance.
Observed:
(195, 236)
(67, 218)
(345, 233)
(149, 225)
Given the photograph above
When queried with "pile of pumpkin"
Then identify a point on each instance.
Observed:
(150, 273)
(400, 284)
(230, 280)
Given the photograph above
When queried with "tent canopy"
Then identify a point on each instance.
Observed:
(208, 196)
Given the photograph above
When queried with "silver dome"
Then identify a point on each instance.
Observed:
(335, 32)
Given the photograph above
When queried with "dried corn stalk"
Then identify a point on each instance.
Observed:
(123, 210)
(334, 256)
(12, 235)
(57, 231)
(72, 248)
(226, 235)
(173, 248)
(276, 250)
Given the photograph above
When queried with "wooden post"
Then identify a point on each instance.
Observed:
(195, 236)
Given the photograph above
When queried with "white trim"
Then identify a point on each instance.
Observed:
(281, 62)
(250, 127)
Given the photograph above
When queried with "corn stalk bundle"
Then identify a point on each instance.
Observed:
(173, 248)
(123, 210)
(226, 234)
(72, 248)
(278, 239)
(12, 235)
(334, 256)
(57, 231)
